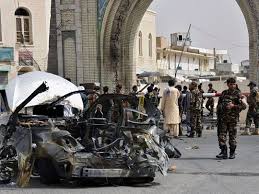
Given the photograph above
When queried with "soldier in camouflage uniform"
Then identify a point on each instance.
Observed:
(195, 110)
(210, 101)
(228, 109)
(202, 92)
(253, 111)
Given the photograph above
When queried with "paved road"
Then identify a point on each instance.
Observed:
(197, 172)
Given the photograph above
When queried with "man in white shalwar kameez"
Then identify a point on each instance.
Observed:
(170, 108)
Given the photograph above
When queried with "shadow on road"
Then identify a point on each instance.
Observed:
(242, 174)
(197, 158)
(35, 183)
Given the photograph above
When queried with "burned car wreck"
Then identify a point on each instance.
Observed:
(89, 146)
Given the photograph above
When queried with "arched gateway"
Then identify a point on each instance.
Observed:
(119, 20)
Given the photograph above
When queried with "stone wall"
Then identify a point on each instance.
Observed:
(73, 40)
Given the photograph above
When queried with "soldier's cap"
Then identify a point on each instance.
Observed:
(251, 83)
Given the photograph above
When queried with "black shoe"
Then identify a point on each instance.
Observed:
(191, 135)
(232, 154)
(223, 154)
(199, 134)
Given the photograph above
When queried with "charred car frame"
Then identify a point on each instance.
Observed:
(105, 149)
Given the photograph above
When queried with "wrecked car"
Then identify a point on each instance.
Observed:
(105, 149)
(111, 114)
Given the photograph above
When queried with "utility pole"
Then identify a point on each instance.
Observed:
(215, 59)
(183, 49)
(169, 60)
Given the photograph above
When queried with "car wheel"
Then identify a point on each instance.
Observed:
(47, 171)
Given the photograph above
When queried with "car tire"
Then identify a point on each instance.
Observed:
(47, 171)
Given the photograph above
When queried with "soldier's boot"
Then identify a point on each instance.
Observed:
(191, 135)
(180, 131)
(199, 133)
(232, 153)
(223, 154)
(246, 132)
(256, 131)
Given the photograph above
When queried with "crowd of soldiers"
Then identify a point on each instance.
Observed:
(184, 107)
(230, 104)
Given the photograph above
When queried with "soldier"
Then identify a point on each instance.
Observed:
(107, 105)
(210, 101)
(118, 89)
(202, 92)
(134, 93)
(150, 104)
(195, 110)
(229, 106)
(135, 102)
(186, 109)
(180, 104)
(253, 111)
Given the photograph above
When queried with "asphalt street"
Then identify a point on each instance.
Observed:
(197, 172)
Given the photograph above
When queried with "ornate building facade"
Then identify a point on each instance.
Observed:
(94, 39)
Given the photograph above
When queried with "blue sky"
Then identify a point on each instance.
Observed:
(215, 23)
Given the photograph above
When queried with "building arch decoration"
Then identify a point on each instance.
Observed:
(140, 39)
(150, 43)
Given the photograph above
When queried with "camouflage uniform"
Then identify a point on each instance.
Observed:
(195, 111)
(227, 118)
(150, 105)
(253, 111)
(210, 101)
(202, 101)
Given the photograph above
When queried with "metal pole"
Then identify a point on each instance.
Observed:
(182, 50)
(215, 60)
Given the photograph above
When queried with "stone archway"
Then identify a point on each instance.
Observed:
(119, 26)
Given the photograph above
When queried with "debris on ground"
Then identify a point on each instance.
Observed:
(193, 148)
